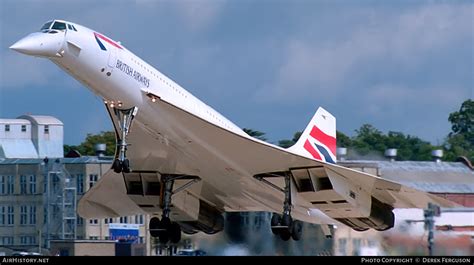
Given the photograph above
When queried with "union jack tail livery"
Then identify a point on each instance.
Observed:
(318, 140)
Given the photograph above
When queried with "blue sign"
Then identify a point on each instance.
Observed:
(124, 232)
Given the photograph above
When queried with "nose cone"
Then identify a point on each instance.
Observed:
(40, 44)
(25, 46)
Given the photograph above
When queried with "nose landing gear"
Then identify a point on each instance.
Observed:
(125, 118)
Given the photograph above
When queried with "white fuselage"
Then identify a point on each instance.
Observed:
(129, 77)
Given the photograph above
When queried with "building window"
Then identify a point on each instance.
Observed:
(23, 215)
(7, 127)
(124, 219)
(10, 184)
(33, 215)
(2, 185)
(80, 220)
(3, 214)
(141, 240)
(22, 184)
(32, 184)
(356, 244)
(92, 179)
(11, 215)
(27, 240)
(93, 221)
(6, 240)
(80, 183)
(46, 129)
(342, 246)
(23, 128)
(139, 219)
(94, 238)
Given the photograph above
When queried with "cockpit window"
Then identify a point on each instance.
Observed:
(46, 25)
(59, 25)
(69, 26)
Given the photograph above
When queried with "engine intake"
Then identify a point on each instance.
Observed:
(210, 220)
(381, 218)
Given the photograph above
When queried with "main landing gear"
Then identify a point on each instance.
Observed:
(165, 229)
(283, 225)
(125, 118)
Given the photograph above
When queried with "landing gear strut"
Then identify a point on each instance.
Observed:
(284, 225)
(125, 118)
(165, 229)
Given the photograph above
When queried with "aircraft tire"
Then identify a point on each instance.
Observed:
(174, 232)
(285, 234)
(126, 166)
(296, 229)
(117, 166)
(276, 220)
(154, 224)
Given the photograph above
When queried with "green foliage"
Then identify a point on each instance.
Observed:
(256, 134)
(287, 143)
(460, 142)
(88, 146)
(343, 140)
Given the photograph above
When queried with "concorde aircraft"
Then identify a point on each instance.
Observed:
(185, 164)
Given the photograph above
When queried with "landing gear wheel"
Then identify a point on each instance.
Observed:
(153, 226)
(174, 232)
(276, 220)
(286, 220)
(163, 234)
(296, 229)
(126, 166)
(285, 234)
(117, 166)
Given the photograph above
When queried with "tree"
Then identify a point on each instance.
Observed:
(255, 134)
(343, 140)
(285, 143)
(460, 142)
(88, 146)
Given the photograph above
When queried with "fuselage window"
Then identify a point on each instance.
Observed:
(59, 26)
(46, 25)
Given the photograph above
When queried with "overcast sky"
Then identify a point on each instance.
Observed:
(267, 65)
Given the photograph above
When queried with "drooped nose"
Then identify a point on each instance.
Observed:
(40, 44)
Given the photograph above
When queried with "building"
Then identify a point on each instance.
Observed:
(451, 180)
(31, 136)
(30, 188)
(39, 189)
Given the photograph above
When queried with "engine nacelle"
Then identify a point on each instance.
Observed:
(381, 218)
(210, 220)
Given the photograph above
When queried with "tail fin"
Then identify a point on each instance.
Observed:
(318, 141)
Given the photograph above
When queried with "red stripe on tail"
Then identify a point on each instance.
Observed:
(325, 139)
(309, 147)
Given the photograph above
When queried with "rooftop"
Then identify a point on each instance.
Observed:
(430, 176)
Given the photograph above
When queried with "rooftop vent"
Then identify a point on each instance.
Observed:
(100, 150)
(341, 153)
(437, 155)
(391, 154)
